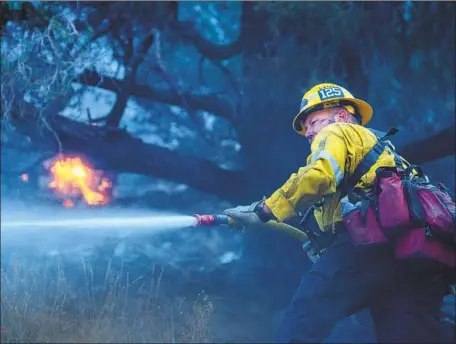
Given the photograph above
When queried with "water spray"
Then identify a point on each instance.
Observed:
(137, 223)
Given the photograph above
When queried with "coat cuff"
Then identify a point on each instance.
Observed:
(280, 207)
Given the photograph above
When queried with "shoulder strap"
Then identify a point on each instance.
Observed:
(372, 156)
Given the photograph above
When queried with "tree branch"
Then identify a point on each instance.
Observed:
(431, 148)
(206, 102)
(118, 151)
(26, 14)
(115, 116)
(198, 123)
(212, 51)
(217, 52)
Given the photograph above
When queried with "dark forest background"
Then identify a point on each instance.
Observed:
(187, 106)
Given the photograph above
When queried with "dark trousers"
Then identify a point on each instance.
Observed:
(404, 297)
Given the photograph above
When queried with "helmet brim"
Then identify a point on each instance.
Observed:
(364, 110)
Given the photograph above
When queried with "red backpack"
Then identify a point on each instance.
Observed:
(403, 209)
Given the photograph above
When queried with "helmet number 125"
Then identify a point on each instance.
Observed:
(330, 92)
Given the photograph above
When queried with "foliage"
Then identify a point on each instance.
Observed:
(405, 49)
(40, 304)
(38, 66)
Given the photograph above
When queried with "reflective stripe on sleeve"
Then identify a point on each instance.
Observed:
(335, 166)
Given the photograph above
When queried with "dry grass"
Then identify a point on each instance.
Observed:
(38, 304)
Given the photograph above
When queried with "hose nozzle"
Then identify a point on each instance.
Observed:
(213, 220)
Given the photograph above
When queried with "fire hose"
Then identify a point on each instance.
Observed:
(225, 220)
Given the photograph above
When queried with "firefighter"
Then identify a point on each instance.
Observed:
(404, 299)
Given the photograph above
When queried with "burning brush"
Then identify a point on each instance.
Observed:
(72, 178)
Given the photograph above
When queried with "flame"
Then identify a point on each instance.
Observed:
(68, 203)
(105, 185)
(71, 177)
(24, 177)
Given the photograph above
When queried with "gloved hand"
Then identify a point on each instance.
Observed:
(313, 255)
(246, 215)
(312, 251)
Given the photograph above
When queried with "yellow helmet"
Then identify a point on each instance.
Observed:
(329, 95)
